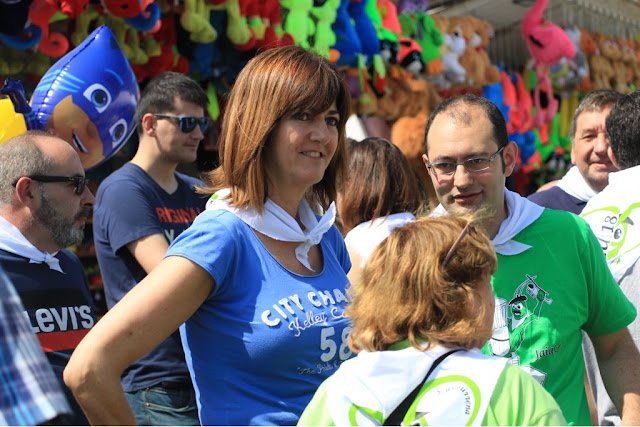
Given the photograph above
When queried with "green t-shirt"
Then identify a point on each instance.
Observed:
(517, 400)
(548, 294)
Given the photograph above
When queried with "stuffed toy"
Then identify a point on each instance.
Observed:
(195, 20)
(88, 17)
(298, 22)
(455, 44)
(547, 43)
(603, 72)
(347, 40)
(364, 26)
(407, 133)
(475, 60)
(417, 24)
(238, 30)
(580, 68)
(410, 56)
(384, 15)
(324, 37)
(149, 18)
(430, 40)
(51, 43)
(122, 8)
(470, 59)
(265, 22)
(588, 47)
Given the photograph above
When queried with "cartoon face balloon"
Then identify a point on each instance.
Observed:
(89, 98)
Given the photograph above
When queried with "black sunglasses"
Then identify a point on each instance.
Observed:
(79, 182)
(187, 123)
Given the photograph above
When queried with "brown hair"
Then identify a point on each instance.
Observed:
(406, 292)
(380, 183)
(276, 84)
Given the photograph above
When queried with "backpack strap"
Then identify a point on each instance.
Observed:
(396, 417)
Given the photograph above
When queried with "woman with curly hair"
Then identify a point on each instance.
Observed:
(421, 312)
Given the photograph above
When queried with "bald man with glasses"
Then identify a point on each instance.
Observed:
(44, 206)
(141, 208)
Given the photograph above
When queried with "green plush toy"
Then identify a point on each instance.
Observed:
(298, 23)
(430, 41)
(324, 37)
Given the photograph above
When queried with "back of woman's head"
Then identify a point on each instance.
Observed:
(407, 291)
(273, 85)
(380, 183)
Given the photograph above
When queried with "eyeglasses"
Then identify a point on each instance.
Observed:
(187, 123)
(471, 165)
(79, 182)
(455, 245)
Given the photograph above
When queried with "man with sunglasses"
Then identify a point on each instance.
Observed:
(552, 281)
(44, 205)
(141, 208)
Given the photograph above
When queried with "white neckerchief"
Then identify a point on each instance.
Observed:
(366, 236)
(614, 218)
(573, 184)
(377, 382)
(276, 223)
(520, 214)
(12, 240)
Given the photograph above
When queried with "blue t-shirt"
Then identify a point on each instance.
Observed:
(131, 205)
(557, 198)
(59, 307)
(264, 340)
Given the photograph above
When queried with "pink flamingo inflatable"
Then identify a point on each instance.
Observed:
(547, 44)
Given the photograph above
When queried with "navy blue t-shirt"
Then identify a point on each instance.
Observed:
(557, 198)
(131, 205)
(59, 307)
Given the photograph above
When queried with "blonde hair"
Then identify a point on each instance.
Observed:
(406, 292)
(273, 85)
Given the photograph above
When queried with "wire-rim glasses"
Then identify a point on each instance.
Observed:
(477, 164)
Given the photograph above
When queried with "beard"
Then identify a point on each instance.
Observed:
(62, 228)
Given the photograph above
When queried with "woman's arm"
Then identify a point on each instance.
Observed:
(146, 316)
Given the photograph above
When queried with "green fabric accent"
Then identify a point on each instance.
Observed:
(517, 400)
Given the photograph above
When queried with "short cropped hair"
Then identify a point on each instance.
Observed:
(623, 130)
(161, 92)
(276, 84)
(451, 107)
(596, 100)
(406, 292)
(20, 156)
(380, 183)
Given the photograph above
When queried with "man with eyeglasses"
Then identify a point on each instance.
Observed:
(44, 205)
(552, 281)
(141, 208)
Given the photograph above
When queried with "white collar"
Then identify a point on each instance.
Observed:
(276, 223)
(520, 214)
(12, 240)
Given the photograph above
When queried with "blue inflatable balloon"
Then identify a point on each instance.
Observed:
(89, 98)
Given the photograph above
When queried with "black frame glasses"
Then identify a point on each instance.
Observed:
(187, 123)
(477, 164)
(79, 182)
